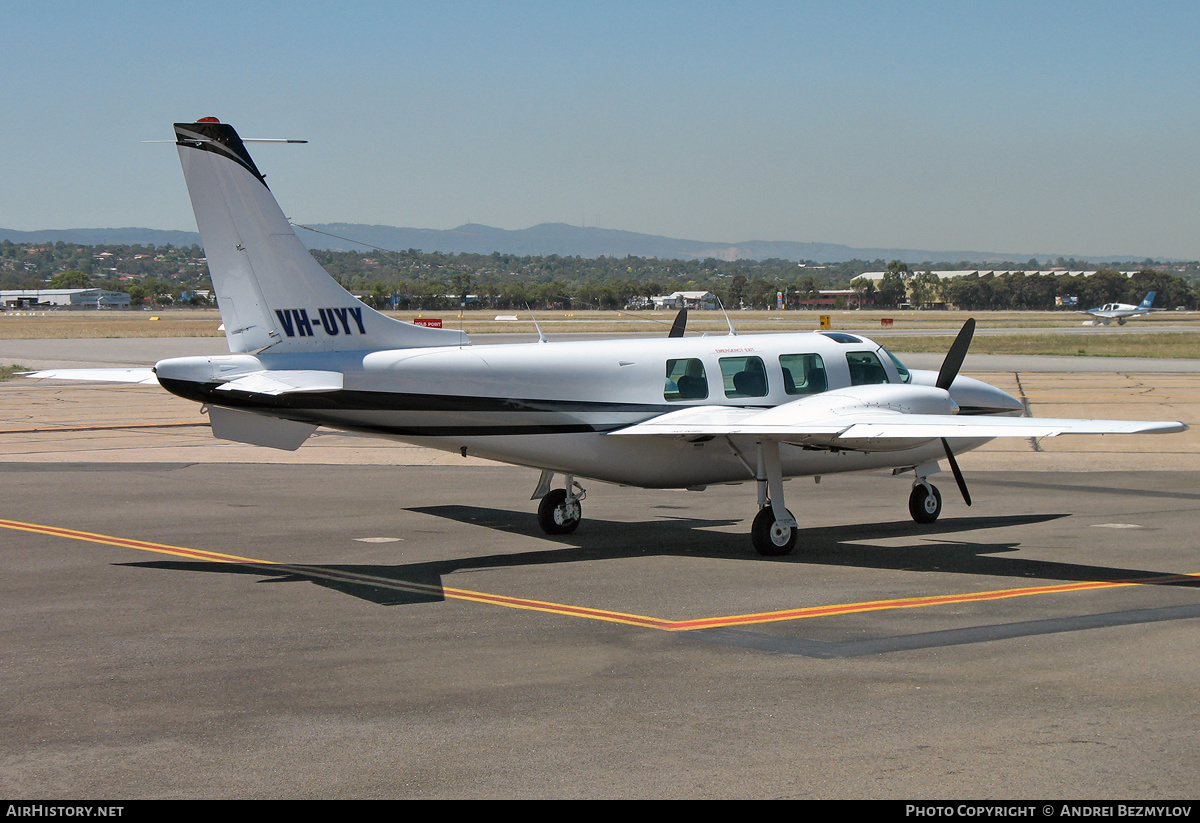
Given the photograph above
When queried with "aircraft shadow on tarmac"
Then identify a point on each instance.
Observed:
(408, 583)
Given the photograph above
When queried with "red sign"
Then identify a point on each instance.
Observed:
(885, 321)
(431, 322)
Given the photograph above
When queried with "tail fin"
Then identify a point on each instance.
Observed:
(1148, 300)
(271, 292)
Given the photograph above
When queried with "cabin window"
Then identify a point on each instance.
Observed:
(803, 373)
(744, 376)
(865, 368)
(686, 380)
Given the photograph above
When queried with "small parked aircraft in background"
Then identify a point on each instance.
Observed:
(669, 412)
(1120, 312)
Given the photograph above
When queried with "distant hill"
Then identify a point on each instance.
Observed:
(92, 237)
(543, 239)
(568, 241)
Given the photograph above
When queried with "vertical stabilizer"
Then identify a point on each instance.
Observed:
(271, 292)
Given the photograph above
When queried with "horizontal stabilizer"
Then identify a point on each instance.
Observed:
(100, 375)
(257, 430)
(285, 382)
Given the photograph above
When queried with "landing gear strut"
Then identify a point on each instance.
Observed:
(773, 531)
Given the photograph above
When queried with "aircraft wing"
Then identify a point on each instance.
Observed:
(953, 425)
(142, 375)
(788, 425)
(721, 420)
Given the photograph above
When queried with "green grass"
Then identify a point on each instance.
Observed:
(6, 372)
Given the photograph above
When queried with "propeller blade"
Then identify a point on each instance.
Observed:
(954, 357)
(677, 328)
(958, 478)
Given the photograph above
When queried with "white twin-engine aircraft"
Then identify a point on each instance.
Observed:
(670, 412)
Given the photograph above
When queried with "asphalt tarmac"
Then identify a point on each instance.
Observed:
(186, 618)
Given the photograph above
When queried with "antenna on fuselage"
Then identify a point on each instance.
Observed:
(541, 336)
(732, 330)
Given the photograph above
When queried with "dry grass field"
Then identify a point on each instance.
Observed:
(1165, 334)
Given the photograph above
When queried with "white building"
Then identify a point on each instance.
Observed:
(686, 299)
(66, 298)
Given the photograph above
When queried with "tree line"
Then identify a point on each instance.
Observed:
(1016, 290)
(415, 279)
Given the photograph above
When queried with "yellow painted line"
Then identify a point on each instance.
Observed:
(336, 575)
(918, 602)
(607, 615)
(561, 609)
(124, 542)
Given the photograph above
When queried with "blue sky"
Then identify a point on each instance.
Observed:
(1033, 128)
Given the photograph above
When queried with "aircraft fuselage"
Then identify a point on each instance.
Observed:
(551, 406)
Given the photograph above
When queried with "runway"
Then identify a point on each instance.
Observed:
(188, 618)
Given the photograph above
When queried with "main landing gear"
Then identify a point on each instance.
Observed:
(559, 512)
(771, 536)
(774, 530)
(925, 502)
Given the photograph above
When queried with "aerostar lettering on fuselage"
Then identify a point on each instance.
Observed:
(298, 323)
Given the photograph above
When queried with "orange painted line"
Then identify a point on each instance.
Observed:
(592, 613)
(918, 602)
(559, 608)
(124, 542)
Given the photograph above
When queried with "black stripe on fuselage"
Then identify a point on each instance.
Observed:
(322, 407)
(352, 400)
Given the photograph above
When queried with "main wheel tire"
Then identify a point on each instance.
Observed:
(925, 505)
(771, 539)
(556, 515)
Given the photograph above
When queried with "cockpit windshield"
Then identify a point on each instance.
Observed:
(901, 369)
